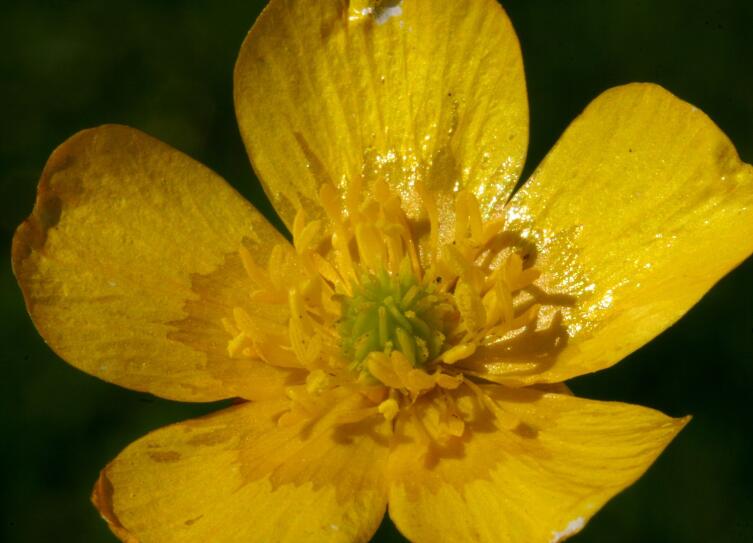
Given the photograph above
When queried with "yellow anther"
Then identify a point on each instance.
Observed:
(229, 326)
(299, 223)
(395, 252)
(389, 408)
(247, 325)
(256, 273)
(449, 382)
(343, 257)
(307, 236)
(382, 191)
(475, 221)
(492, 228)
(371, 246)
(430, 206)
(353, 196)
(419, 380)
(311, 291)
(460, 265)
(327, 270)
(356, 415)
(292, 417)
(455, 426)
(306, 347)
(507, 420)
(513, 268)
(504, 299)
(236, 345)
(380, 366)
(400, 364)
(458, 352)
(462, 216)
(330, 200)
(317, 381)
(297, 309)
(468, 217)
(526, 277)
(470, 306)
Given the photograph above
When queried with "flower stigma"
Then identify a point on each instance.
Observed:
(395, 312)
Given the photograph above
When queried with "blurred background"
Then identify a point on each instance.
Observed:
(165, 67)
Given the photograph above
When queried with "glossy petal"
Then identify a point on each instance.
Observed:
(350, 92)
(129, 261)
(640, 208)
(235, 476)
(539, 482)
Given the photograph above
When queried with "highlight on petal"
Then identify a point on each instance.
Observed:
(411, 91)
(640, 208)
(530, 466)
(130, 260)
(238, 476)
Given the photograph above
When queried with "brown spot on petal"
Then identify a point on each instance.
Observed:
(164, 456)
(210, 438)
(190, 521)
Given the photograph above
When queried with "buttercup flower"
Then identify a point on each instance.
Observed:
(408, 349)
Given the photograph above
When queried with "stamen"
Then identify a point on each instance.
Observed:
(508, 421)
(367, 316)
(458, 352)
(389, 408)
(430, 206)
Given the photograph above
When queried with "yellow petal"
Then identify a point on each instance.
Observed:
(352, 92)
(236, 476)
(538, 483)
(130, 260)
(640, 208)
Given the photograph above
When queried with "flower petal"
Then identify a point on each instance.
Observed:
(129, 261)
(539, 482)
(640, 208)
(349, 92)
(236, 476)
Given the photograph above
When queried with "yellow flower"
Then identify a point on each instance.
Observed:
(409, 347)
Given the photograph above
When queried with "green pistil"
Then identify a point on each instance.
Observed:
(394, 312)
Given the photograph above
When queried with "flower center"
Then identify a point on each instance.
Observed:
(395, 312)
(371, 303)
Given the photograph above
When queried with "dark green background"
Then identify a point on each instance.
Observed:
(166, 68)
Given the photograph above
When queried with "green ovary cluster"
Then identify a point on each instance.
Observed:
(395, 312)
